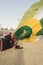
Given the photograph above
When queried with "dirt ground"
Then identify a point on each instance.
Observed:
(31, 54)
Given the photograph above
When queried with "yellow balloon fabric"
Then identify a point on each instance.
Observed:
(35, 26)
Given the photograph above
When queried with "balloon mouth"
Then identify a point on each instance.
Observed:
(23, 32)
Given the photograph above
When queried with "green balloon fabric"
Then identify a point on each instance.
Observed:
(20, 31)
(41, 21)
(40, 32)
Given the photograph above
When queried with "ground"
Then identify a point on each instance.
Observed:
(31, 54)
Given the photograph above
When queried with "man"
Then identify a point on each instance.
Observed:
(16, 43)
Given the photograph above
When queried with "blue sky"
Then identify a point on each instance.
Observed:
(12, 10)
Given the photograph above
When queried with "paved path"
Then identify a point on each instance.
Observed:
(31, 54)
(12, 57)
(19, 58)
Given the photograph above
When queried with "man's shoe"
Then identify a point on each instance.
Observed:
(18, 47)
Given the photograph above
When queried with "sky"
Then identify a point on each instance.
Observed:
(12, 11)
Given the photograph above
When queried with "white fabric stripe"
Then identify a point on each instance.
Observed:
(39, 14)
